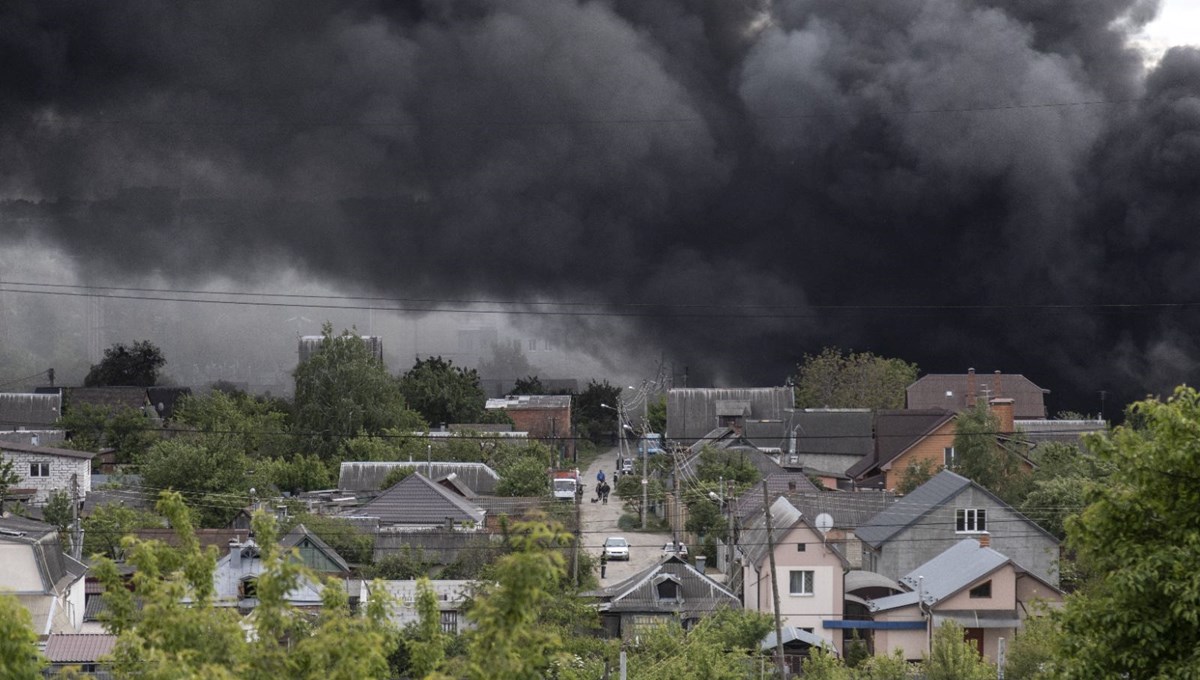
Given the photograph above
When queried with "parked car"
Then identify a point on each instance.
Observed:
(672, 548)
(616, 548)
(626, 466)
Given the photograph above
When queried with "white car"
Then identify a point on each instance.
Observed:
(672, 548)
(616, 548)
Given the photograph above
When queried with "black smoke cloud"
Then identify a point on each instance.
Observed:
(752, 172)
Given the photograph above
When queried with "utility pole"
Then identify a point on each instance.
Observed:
(645, 480)
(774, 583)
(76, 526)
(575, 545)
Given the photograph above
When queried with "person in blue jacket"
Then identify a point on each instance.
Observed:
(600, 476)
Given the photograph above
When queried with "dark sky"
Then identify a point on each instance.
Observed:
(996, 184)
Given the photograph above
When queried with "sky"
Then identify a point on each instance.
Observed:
(709, 188)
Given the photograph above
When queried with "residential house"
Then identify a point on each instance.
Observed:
(417, 502)
(452, 596)
(369, 476)
(314, 552)
(46, 469)
(547, 418)
(903, 438)
(30, 418)
(844, 512)
(943, 511)
(961, 392)
(82, 651)
(671, 590)
(235, 581)
(48, 582)
(828, 442)
(980, 588)
(692, 413)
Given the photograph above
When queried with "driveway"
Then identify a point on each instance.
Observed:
(599, 521)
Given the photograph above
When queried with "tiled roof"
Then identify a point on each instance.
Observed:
(78, 647)
(834, 431)
(416, 500)
(751, 499)
(47, 451)
(896, 430)
(849, 509)
(951, 391)
(908, 509)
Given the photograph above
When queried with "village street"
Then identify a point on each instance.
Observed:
(599, 521)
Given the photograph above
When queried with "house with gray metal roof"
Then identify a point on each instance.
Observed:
(943, 511)
(671, 590)
(314, 552)
(694, 412)
(29, 410)
(981, 589)
(417, 502)
(47, 469)
(47, 581)
(830, 440)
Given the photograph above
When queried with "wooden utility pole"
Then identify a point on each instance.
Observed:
(774, 583)
(575, 544)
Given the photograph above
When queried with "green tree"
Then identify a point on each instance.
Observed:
(444, 393)
(353, 544)
(591, 419)
(824, 665)
(258, 426)
(525, 476)
(426, 645)
(8, 479)
(137, 364)
(1061, 483)
(395, 476)
(343, 390)
(19, 656)
(656, 414)
(60, 513)
(212, 471)
(852, 380)
(888, 667)
(915, 474)
(720, 647)
(528, 385)
(104, 528)
(984, 457)
(953, 658)
(1033, 654)
(176, 632)
(1137, 617)
(506, 643)
(91, 428)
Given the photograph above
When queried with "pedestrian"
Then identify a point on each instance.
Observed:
(603, 562)
(604, 489)
(600, 476)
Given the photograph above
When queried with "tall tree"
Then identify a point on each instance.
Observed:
(528, 385)
(953, 658)
(591, 419)
(1137, 617)
(137, 364)
(19, 656)
(985, 457)
(8, 479)
(343, 390)
(444, 393)
(852, 380)
(91, 428)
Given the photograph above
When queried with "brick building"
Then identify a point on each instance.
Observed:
(547, 418)
(46, 469)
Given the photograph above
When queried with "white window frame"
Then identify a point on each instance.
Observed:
(810, 582)
(970, 520)
(949, 457)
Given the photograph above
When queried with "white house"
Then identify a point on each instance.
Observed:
(451, 597)
(46, 469)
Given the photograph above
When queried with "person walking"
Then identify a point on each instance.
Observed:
(603, 563)
(604, 489)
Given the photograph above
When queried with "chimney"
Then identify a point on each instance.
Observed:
(998, 392)
(1003, 408)
(985, 540)
(970, 388)
(235, 554)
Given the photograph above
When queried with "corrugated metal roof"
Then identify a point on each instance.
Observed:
(751, 501)
(79, 647)
(369, 476)
(28, 410)
(842, 432)
(416, 500)
(954, 569)
(849, 509)
(908, 509)
(698, 593)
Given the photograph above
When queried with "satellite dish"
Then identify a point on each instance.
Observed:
(824, 522)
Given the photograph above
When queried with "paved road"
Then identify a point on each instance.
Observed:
(600, 521)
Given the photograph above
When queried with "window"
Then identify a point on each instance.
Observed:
(248, 588)
(983, 590)
(450, 622)
(532, 344)
(970, 520)
(800, 547)
(39, 469)
(801, 583)
(668, 590)
(950, 458)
